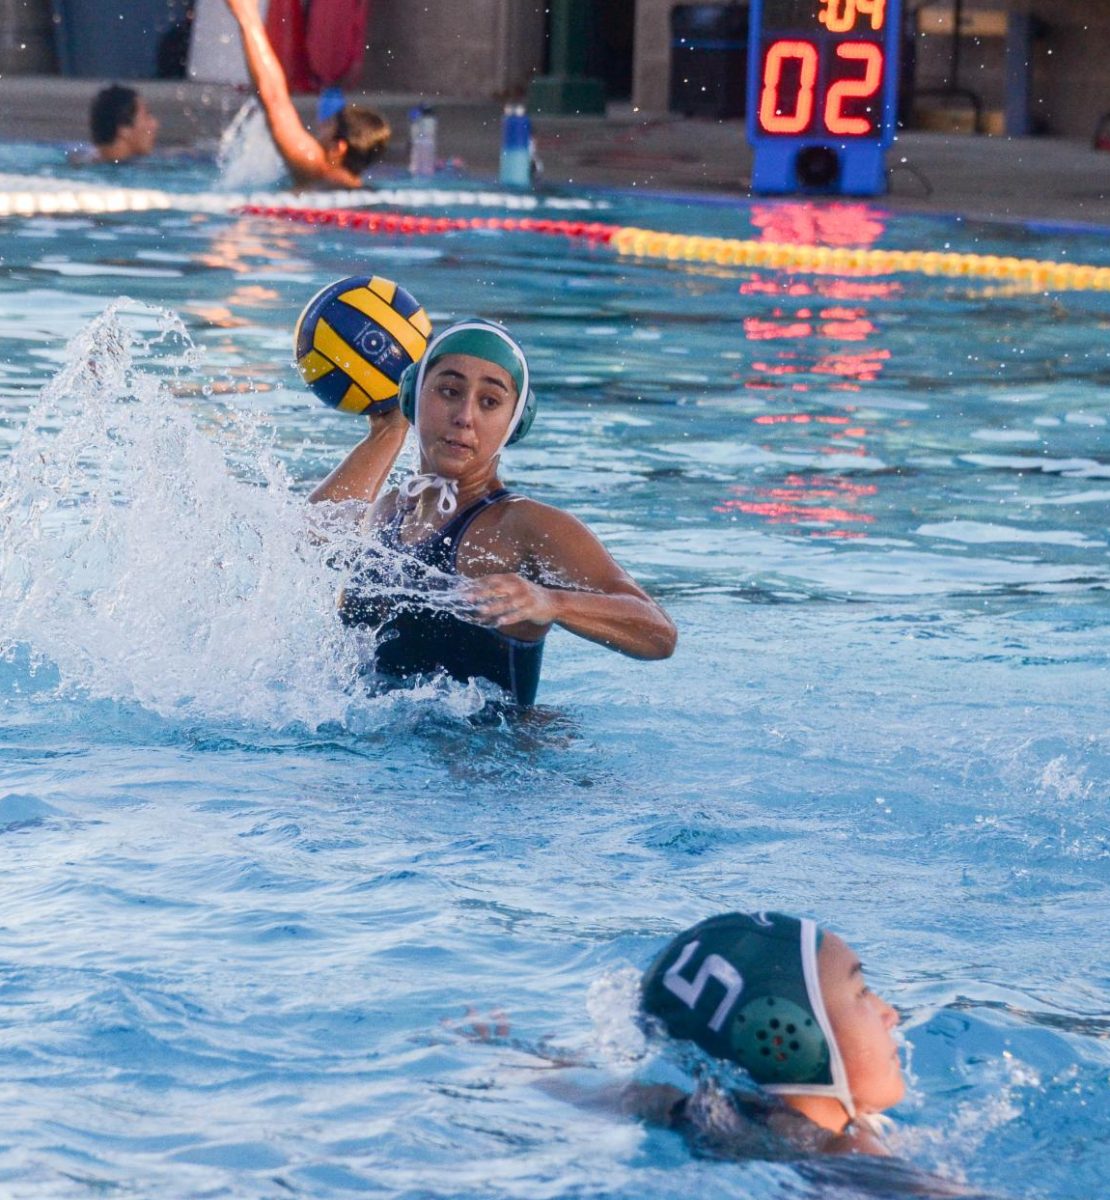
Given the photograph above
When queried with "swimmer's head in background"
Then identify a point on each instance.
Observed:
(365, 131)
(744, 987)
(113, 107)
(482, 339)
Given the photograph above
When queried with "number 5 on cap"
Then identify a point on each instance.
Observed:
(713, 967)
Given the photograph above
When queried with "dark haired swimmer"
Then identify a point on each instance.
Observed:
(787, 1003)
(121, 125)
(350, 141)
(526, 566)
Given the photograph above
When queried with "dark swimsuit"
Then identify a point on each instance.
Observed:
(730, 1124)
(416, 639)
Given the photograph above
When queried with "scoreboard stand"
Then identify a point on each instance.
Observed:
(787, 167)
(822, 94)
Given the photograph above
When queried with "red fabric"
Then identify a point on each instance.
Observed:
(336, 38)
(285, 27)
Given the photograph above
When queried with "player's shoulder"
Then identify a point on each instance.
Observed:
(525, 515)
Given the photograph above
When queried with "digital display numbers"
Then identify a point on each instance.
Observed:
(829, 82)
(822, 73)
(853, 79)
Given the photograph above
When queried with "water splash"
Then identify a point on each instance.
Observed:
(156, 554)
(1000, 1099)
(246, 157)
(1061, 782)
(613, 1003)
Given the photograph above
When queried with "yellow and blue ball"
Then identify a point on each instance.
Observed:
(355, 338)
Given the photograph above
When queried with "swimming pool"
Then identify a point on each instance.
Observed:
(246, 910)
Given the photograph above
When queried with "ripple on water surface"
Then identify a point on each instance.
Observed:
(248, 907)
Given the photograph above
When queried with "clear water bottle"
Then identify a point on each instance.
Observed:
(516, 147)
(422, 141)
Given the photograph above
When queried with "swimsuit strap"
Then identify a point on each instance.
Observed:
(446, 538)
(452, 533)
(390, 533)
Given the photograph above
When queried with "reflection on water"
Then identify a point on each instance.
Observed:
(806, 223)
(806, 500)
(814, 358)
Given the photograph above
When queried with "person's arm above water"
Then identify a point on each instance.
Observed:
(362, 473)
(590, 594)
(304, 155)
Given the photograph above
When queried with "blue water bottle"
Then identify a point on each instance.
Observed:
(516, 147)
(330, 103)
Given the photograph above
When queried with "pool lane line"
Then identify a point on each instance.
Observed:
(653, 244)
(30, 196)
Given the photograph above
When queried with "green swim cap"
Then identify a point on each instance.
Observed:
(480, 339)
(487, 340)
(744, 987)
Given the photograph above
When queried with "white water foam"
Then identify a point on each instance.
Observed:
(155, 553)
(246, 156)
(613, 1003)
(1002, 1100)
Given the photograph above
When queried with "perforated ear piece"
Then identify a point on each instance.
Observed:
(406, 392)
(775, 1039)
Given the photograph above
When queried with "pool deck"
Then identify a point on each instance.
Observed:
(997, 178)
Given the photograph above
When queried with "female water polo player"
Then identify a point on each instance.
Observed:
(351, 140)
(523, 566)
(787, 1002)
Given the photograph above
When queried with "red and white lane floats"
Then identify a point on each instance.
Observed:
(1036, 274)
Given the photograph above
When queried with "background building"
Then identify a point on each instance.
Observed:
(1044, 57)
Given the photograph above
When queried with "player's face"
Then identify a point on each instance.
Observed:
(142, 133)
(863, 1024)
(463, 413)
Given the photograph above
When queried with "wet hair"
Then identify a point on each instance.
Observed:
(366, 134)
(112, 107)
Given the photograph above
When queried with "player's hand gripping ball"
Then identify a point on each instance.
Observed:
(354, 339)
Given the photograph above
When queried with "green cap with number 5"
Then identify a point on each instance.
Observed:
(744, 987)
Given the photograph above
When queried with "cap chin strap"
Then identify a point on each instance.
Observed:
(838, 1089)
(879, 1124)
(447, 500)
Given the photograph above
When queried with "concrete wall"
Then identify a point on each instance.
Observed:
(475, 50)
(1071, 81)
(651, 70)
(26, 37)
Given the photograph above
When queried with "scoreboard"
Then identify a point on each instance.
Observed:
(822, 94)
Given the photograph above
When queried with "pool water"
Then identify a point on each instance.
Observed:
(247, 908)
